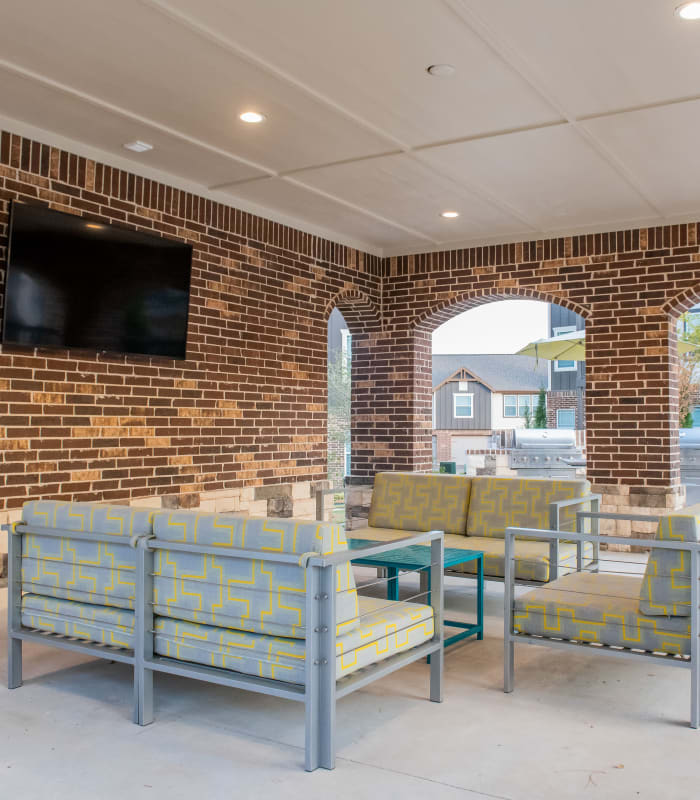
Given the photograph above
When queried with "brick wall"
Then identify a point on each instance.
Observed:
(565, 400)
(248, 406)
(629, 287)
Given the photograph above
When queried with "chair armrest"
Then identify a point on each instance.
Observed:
(350, 555)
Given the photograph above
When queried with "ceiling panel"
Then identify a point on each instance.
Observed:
(660, 146)
(370, 57)
(402, 188)
(30, 102)
(552, 176)
(599, 55)
(288, 198)
(130, 55)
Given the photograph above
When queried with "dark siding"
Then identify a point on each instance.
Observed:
(560, 318)
(481, 404)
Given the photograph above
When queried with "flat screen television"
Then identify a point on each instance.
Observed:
(73, 283)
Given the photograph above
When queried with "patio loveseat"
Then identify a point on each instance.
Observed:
(653, 616)
(475, 512)
(268, 605)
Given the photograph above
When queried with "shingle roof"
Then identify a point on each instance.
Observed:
(502, 372)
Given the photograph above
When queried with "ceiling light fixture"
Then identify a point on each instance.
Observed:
(440, 70)
(689, 11)
(252, 116)
(449, 214)
(138, 146)
(93, 226)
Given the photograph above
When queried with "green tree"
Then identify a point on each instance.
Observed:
(527, 416)
(541, 410)
(688, 331)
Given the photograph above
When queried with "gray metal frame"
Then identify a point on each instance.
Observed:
(320, 690)
(510, 637)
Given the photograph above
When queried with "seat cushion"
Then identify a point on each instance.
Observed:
(666, 586)
(251, 595)
(599, 607)
(384, 628)
(531, 556)
(414, 502)
(92, 623)
(499, 503)
(100, 573)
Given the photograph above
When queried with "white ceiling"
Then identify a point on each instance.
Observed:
(562, 116)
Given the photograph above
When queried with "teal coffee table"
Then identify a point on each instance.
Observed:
(418, 556)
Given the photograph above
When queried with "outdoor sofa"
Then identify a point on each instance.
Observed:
(652, 616)
(474, 513)
(268, 605)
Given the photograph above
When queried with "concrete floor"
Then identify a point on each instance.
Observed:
(577, 726)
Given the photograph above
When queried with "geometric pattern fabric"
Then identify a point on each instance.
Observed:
(500, 503)
(385, 628)
(420, 502)
(666, 584)
(599, 607)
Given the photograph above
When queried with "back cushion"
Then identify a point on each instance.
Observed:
(666, 585)
(412, 502)
(240, 593)
(499, 503)
(101, 573)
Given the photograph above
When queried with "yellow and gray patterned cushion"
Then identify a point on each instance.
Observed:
(251, 595)
(385, 628)
(599, 607)
(500, 503)
(92, 623)
(531, 556)
(666, 585)
(91, 572)
(413, 502)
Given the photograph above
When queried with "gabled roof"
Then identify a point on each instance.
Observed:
(500, 372)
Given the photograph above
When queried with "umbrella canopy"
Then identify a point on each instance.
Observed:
(572, 347)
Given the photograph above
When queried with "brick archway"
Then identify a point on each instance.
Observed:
(358, 310)
(446, 309)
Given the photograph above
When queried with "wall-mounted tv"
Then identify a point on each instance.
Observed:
(76, 283)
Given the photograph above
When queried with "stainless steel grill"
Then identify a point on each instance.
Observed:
(689, 440)
(545, 453)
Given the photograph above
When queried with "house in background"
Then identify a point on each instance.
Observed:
(567, 379)
(477, 395)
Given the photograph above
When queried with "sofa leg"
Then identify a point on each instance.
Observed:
(437, 662)
(508, 665)
(14, 664)
(143, 700)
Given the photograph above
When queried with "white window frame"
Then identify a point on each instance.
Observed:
(471, 406)
(510, 416)
(568, 411)
(557, 364)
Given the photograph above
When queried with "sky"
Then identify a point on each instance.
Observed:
(503, 326)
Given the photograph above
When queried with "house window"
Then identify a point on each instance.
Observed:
(566, 418)
(565, 366)
(515, 405)
(463, 405)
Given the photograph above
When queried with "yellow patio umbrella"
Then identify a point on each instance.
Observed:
(572, 347)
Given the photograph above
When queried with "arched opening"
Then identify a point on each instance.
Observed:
(479, 392)
(684, 390)
(353, 323)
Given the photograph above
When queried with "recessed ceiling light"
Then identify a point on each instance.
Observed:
(252, 116)
(440, 70)
(138, 146)
(449, 214)
(93, 226)
(689, 11)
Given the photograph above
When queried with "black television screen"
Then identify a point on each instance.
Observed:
(81, 284)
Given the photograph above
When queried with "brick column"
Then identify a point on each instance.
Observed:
(631, 416)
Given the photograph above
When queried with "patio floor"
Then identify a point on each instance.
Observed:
(577, 725)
